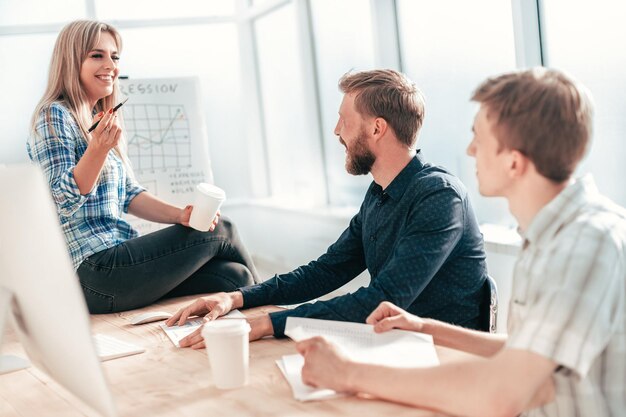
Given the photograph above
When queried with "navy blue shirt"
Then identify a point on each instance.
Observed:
(419, 240)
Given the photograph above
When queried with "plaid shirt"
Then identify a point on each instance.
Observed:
(92, 222)
(569, 301)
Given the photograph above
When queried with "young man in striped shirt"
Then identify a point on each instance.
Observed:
(565, 353)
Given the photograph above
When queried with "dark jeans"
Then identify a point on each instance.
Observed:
(171, 262)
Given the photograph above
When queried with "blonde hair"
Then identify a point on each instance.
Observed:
(73, 44)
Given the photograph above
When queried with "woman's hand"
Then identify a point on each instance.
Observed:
(388, 316)
(185, 215)
(102, 139)
(215, 221)
(107, 134)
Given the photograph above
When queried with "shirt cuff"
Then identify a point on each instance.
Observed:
(132, 193)
(254, 296)
(67, 194)
(279, 321)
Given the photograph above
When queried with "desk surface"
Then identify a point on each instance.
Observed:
(168, 381)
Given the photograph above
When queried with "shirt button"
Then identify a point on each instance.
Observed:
(372, 238)
(379, 203)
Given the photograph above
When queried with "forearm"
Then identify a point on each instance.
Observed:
(151, 208)
(353, 307)
(303, 284)
(87, 170)
(419, 387)
(471, 341)
(475, 387)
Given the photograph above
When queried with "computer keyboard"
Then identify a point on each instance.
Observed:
(108, 347)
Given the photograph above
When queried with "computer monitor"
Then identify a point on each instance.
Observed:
(47, 305)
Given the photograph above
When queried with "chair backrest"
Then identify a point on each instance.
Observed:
(488, 320)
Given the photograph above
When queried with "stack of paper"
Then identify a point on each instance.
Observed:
(396, 348)
(176, 333)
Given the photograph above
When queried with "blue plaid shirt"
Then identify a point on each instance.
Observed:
(420, 242)
(92, 222)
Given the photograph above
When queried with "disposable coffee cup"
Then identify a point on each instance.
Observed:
(227, 346)
(207, 201)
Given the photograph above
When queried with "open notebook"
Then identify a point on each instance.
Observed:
(396, 348)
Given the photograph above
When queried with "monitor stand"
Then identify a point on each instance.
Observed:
(8, 363)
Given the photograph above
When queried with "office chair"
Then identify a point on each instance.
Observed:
(488, 320)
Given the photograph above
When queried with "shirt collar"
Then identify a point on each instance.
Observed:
(553, 215)
(399, 184)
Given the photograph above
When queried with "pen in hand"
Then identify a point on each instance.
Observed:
(114, 110)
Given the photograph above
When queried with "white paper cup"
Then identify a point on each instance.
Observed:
(227, 346)
(207, 201)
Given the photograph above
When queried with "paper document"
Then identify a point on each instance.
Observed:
(176, 333)
(396, 348)
(301, 391)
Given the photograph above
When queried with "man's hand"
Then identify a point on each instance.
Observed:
(211, 307)
(388, 316)
(259, 327)
(324, 365)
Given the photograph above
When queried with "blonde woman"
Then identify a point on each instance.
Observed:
(92, 184)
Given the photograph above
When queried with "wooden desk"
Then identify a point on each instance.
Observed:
(168, 381)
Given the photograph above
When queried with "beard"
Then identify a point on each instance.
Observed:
(359, 159)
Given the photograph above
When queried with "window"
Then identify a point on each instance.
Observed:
(294, 157)
(24, 81)
(156, 52)
(36, 12)
(343, 42)
(587, 39)
(162, 9)
(447, 54)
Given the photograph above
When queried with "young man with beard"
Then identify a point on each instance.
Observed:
(415, 232)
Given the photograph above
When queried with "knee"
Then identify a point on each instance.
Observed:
(226, 223)
(226, 227)
(241, 276)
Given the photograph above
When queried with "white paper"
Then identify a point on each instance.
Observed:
(176, 333)
(291, 367)
(395, 348)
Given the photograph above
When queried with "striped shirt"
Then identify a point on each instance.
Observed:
(569, 301)
(91, 222)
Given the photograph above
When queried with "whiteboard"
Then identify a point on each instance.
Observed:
(167, 139)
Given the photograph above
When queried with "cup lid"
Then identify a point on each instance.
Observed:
(211, 190)
(225, 326)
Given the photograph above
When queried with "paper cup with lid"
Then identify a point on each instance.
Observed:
(227, 346)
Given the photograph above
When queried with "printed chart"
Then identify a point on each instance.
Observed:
(159, 136)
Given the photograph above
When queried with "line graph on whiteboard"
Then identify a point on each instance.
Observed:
(158, 136)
